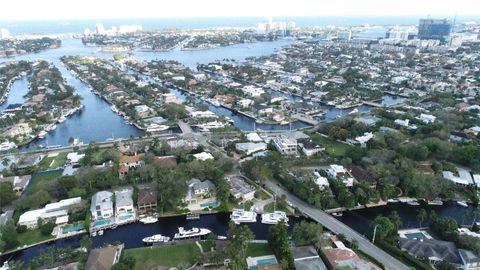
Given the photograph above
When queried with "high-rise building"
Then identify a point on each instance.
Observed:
(434, 29)
(100, 29)
(4, 33)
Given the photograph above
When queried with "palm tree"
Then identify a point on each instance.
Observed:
(422, 215)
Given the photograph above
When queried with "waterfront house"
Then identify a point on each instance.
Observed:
(102, 206)
(51, 212)
(104, 258)
(340, 173)
(124, 201)
(143, 110)
(285, 145)
(147, 199)
(464, 177)
(19, 183)
(436, 251)
(200, 194)
(321, 181)
(459, 136)
(29, 160)
(74, 158)
(240, 190)
(307, 258)
(361, 175)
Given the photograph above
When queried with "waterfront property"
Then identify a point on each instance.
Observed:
(263, 262)
(200, 195)
(147, 199)
(341, 256)
(19, 183)
(104, 258)
(240, 190)
(102, 205)
(56, 212)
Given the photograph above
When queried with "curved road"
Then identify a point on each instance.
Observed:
(338, 227)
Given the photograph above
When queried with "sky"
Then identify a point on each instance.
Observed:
(117, 9)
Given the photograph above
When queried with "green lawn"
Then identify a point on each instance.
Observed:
(258, 249)
(261, 195)
(269, 208)
(332, 148)
(53, 162)
(41, 179)
(31, 236)
(170, 256)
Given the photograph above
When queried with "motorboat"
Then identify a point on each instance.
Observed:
(275, 217)
(149, 220)
(156, 239)
(435, 202)
(42, 134)
(241, 216)
(462, 203)
(192, 233)
(221, 237)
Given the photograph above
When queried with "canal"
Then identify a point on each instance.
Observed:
(132, 234)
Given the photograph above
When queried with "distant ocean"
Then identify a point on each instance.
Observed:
(77, 26)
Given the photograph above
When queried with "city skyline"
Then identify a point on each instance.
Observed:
(89, 9)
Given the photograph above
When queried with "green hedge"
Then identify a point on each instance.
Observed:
(403, 256)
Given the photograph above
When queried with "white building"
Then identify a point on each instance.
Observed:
(73, 158)
(310, 148)
(463, 178)
(340, 173)
(367, 136)
(99, 29)
(4, 33)
(250, 147)
(321, 181)
(285, 145)
(426, 118)
(51, 211)
(124, 201)
(203, 156)
(253, 91)
(102, 205)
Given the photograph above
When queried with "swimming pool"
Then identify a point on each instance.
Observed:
(102, 222)
(209, 205)
(125, 217)
(271, 261)
(416, 235)
(73, 229)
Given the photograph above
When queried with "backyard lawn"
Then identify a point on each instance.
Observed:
(40, 180)
(53, 162)
(258, 249)
(31, 237)
(170, 256)
(332, 148)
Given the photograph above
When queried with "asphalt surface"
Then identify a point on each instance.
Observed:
(338, 227)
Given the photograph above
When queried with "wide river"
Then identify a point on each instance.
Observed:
(98, 123)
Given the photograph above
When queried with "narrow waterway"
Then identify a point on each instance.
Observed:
(18, 89)
(131, 235)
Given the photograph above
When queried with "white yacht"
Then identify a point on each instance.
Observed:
(156, 128)
(274, 218)
(241, 216)
(42, 134)
(156, 239)
(192, 233)
(148, 220)
(462, 203)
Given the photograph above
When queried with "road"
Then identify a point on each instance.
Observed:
(338, 227)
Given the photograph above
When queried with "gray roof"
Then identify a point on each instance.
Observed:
(69, 170)
(123, 197)
(468, 256)
(207, 184)
(306, 258)
(428, 248)
(101, 200)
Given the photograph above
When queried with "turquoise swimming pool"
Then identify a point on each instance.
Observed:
(209, 205)
(102, 222)
(73, 229)
(415, 235)
(271, 261)
(125, 217)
